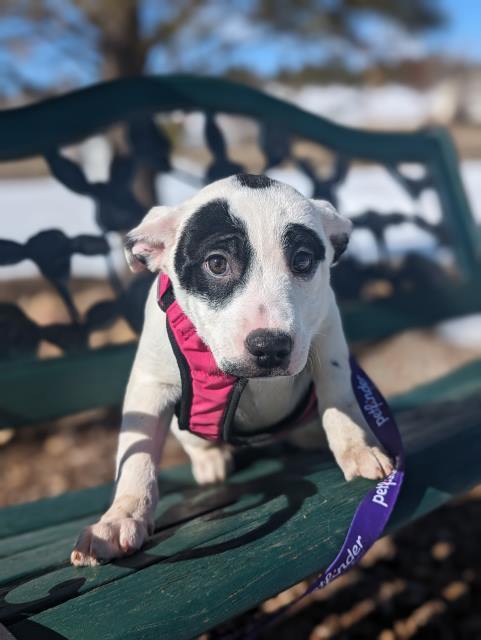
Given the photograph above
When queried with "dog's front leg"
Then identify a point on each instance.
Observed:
(147, 412)
(211, 461)
(354, 447)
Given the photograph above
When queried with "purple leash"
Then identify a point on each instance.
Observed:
(374, 510)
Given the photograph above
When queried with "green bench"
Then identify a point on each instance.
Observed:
(219, 551)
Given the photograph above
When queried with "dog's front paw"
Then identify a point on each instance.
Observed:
(211, 465)
(364, 461)
(107, 540)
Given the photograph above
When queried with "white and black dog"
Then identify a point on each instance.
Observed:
(245, 254)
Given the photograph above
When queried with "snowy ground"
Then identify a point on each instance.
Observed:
(32, 205)
(390, 105)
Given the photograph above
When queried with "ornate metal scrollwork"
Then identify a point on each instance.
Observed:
(118, 208)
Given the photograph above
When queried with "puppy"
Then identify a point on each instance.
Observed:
(245, 254)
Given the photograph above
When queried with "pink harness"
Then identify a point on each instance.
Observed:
(209, 396)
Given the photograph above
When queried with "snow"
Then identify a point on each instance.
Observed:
(37, 204)
(384, 106)
(462, 332)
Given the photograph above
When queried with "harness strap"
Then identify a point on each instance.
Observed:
(209, 396)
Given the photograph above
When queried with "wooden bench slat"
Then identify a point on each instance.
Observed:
(62, 386)
(174, 508)
(403, 310)
(40, 549)
(240, 496)
(42, 553)
(259, 553)
(33, 540)
(169, 499)
(36, 538)
(31, 516)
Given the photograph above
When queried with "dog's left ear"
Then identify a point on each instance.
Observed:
(336, 227)
(147, 245)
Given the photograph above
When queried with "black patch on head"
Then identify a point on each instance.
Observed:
(339, 241)
(335, 363)
(212, 228)
(254, 181)
(298, 237)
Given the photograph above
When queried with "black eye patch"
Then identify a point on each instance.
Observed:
(212, 228)
(299, 237)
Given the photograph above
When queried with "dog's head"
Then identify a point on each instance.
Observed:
(249, 259)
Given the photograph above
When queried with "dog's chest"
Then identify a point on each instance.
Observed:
(267, 401)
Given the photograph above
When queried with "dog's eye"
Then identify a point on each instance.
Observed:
(302, 262)
(217, 264)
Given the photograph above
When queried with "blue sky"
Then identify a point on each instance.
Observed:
(462, 38)
(57, 58)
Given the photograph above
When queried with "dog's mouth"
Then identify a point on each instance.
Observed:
(250, 370)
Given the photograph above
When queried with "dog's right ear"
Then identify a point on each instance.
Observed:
(147, 246)
(337, 228)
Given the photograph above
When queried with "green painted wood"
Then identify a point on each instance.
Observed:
(25, 519)
(48, 512)
(251, 555)
(382, 318)
(46, 564)
(174, 508)
(262, 503)
(32, 540)
(39, 390)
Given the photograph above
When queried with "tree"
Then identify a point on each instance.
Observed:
(113, 38)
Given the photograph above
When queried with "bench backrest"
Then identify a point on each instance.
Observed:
(394, 290)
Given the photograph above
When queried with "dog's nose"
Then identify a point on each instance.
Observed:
(271, 348)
